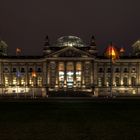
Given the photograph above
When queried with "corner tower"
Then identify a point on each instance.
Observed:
(46, 48)
(93, 48)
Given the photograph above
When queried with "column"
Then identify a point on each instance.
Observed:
(83, 75)
(1, 81)
(121, 74)
(74, 74)
(138, 77)
(65, 75)
(57, 75)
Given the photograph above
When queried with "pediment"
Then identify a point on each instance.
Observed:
(70, 52)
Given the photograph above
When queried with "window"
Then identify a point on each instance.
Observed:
(133, 70)
(100, 70)
(108, 81)
(14, 70)
(125, 81)
(14, 81)
(117, 81)
(100, 81)
(38, 69)
(6, 69)
(78, 74)
(22, 81)
(22, 70)
(125, 70)
(30, 81)
(133, 81)
(108, 70)
(117, 70)
(30, 69)
(6, 79)
(61, 74)
(39, 81)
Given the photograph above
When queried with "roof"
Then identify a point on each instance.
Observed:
(21, 57)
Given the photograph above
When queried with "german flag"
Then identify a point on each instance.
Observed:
(112, 53)
(18, 51)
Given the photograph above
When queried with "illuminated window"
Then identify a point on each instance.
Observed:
(78, 74)
(70, 74)
(108, 81)
(30, 81)
(6, 80)
(14, 81)
(100, 81)
(22, 81)
(39, 81)
(134, 92)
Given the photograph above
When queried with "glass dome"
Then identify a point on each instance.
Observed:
(70, 41)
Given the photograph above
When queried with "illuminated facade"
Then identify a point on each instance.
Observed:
(70, 65)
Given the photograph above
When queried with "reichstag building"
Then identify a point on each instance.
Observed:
(69, 65)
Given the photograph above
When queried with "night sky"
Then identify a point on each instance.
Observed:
(24, 23)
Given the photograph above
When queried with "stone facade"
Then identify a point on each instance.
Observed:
(69, 68)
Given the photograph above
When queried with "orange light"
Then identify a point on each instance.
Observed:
(33, 74)
(122, 50)
(18, 50)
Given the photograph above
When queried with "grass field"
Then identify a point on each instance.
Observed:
(70, 120)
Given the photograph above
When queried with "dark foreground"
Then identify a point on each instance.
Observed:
(70, 120)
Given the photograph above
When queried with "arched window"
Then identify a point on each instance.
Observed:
(125, 81)
(133, 81)
(117, 81)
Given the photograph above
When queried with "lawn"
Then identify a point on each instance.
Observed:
(70, 120)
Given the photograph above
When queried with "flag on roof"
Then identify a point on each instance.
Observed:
(112, 53)
(18, 51)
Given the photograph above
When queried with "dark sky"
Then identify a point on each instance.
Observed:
(24, 23)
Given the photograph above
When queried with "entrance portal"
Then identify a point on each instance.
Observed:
(70, 80)
(70, 75)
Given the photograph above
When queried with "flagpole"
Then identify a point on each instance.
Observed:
(112, 54)
(111, 74)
